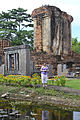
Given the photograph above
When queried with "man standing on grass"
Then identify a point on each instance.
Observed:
(44, 71)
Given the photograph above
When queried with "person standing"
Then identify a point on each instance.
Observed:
(44, 71)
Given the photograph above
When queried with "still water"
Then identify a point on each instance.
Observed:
(16, 110)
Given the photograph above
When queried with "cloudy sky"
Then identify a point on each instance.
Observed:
(72, 7)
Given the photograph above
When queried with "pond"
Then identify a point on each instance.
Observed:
(20, 110)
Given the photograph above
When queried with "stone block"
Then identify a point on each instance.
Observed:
(50, 73)
(1, 60)
(59, 69)
(2, 69)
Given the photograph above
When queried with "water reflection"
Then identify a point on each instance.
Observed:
(23, 111)
(76, 115)
(44, 115)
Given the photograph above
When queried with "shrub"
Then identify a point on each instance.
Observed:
(62, 80)
(57, 80)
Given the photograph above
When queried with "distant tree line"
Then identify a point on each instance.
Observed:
(16, 26)
(75, 45)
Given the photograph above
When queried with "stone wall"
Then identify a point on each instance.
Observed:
(2, 69)
(17, 60)
(52, 30)
(61, 65)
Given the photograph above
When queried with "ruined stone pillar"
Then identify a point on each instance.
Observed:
(38, 34)
(46, 34)
(67, 40)
(52, 30)
(17, 61)
(15, 66)
(8, 63)
(3, 43)
(35, 29)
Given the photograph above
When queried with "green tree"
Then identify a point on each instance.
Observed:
(75, 45)
(16, 25)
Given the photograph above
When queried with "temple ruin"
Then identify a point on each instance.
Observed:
(52, 44)
(52, 30)
(3, 43)
(53, 41)
(17, 60)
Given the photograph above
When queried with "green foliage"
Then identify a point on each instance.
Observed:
(75, 45)
(57, 80)
(16, 25)
(36, 79)
(62, 80)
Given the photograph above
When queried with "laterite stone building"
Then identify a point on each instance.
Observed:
(52, 44)
(53, 41)
(52, 30)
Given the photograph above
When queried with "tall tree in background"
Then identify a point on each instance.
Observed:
(75, 45)
(16, 25)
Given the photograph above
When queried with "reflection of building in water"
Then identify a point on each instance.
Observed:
(76, 115)
(54, 115)
(45, 115)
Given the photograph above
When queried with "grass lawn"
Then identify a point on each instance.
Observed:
(73, 83)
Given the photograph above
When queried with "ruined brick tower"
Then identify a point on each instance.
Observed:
(3, 43)
(52, 30)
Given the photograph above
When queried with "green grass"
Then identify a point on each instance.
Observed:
(73, 83)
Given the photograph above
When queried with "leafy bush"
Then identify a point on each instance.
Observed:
(57, 80)
(36, 79)
(62, 80)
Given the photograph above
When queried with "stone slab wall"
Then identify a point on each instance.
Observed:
(46, 33)
(21, 60)
(62, 70)
(2, 69)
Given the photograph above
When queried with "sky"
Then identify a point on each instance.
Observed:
(72, 7)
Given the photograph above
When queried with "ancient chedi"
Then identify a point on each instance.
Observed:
(52, 30)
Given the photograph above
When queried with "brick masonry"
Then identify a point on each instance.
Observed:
(3, 43)
(52, 30)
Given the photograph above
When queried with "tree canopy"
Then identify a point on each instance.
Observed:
(75, 45)
(16, 25)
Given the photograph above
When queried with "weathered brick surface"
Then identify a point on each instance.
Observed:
(52, 30)
(40, 57)
(3, 43)
(39, 38)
